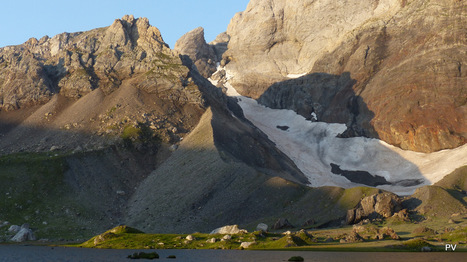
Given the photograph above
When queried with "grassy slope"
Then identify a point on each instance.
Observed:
(65, 196)
(34, 192)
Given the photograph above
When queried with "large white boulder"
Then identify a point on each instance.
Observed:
(231, 230)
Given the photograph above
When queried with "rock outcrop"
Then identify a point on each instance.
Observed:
(382, 205)
(407, 91)
(193, 47)
(353, 237)
(231, 230)
(282, 223)
(74, 64)
(24, 234)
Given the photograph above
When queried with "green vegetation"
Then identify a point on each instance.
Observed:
(296, 258)
(416, 244)
(301, 240)
(34, 191)
(456, 236)
(143, 255)
(140, 134)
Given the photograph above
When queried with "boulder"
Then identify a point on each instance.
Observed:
(24, 234)
(282, 223)
(352, 238)
(226, 237)
(387, 232)
(211, 240)
(231, 230)
(190, 238)
(14, 229)
(262, 227)
(247, 244)
(381, 205)
(402, 215)
(423, 230)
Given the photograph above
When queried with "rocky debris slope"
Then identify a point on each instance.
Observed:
(355, 64)
(71, 90)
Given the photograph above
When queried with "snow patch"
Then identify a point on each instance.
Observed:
(292, 76)
(313, 146)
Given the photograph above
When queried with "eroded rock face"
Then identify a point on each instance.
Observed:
(231, 230)
(74, 64)
(379, 205)
(407, 91)
(194, 46)
(277, 38)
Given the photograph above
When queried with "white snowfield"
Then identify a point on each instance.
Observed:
(313, 146)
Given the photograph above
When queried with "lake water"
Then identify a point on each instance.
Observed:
(45, 254)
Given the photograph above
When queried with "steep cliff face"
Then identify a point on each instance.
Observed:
(193, 46)
(403, 61)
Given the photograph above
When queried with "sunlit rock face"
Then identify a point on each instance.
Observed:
(404, 61)
(74, 64)
(193, 46)
(94, 84)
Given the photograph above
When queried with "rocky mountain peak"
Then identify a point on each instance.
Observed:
(193, 47)
(137, 32)
(74, 64)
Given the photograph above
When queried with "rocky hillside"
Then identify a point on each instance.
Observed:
(103, 109)
(76, 90)
(356, 64)
(110, 126)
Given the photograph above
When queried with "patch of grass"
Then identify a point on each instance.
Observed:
(122, 239)
(131, 132)
(352, 196)
(142, 134)
(416, 244)
(456, 236)
(111, 111)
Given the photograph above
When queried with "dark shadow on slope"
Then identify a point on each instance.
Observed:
(360, 177)
(77, 194)
(330, 97)
(365, 178)
(236, 136)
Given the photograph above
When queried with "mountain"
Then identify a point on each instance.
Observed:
(309, 110)
(394, 68)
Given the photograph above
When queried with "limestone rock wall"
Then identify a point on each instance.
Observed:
(404, 61)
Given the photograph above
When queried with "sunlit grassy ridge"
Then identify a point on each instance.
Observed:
(124, 237)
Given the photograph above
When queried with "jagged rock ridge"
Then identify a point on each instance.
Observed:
(98, 82)
(74, 64)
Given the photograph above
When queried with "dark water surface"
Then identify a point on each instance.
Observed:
(40, 254)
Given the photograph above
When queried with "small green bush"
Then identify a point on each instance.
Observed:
(142, 255)
(296, 258)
